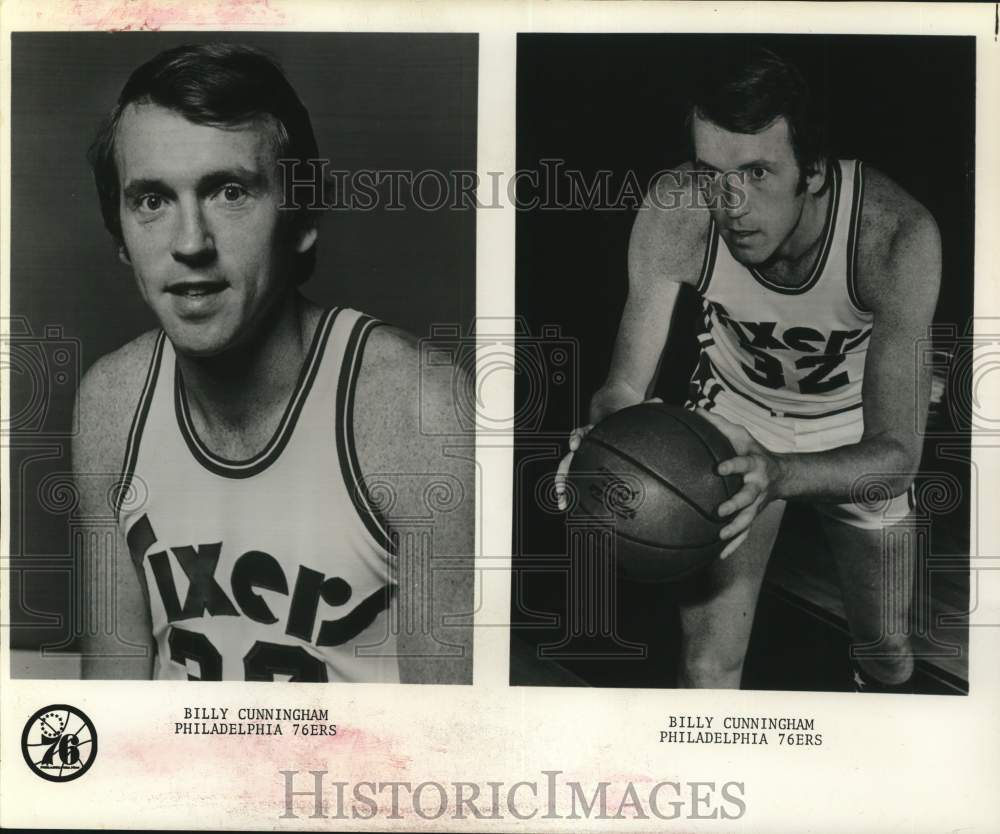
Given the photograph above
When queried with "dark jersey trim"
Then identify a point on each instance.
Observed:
(708, 263)
(347, 454)
(139, 424)
(722, 382)
(832, 211)
(852, 239)
(262, 460)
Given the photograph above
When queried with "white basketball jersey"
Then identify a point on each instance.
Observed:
(272, 568)
(795, 351)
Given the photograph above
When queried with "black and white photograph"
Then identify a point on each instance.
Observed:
(754, 259)
(521, 416)
(228, 262)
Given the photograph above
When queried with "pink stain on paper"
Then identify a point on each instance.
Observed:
(246, 769)
(153, 15)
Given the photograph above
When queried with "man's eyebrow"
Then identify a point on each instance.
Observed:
(213, 179)
(135, 188)
(756, 163)
(245, 176)
(745, 166)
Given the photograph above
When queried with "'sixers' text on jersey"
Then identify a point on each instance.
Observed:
(272, 568)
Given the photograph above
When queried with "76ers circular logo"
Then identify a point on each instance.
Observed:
(59, 743)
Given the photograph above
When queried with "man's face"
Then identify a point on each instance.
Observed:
(200, 221)
(756, 200)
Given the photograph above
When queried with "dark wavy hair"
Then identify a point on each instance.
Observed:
(218, 84)
(748, 90)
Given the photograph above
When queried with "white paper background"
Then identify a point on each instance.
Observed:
(914, 764)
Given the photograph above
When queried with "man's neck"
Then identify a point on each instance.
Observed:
(237, 398)
(793, 261)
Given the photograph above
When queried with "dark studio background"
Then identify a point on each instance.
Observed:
(381, 102)
(904, 105)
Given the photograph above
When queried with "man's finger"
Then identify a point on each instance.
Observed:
(737, 466)
(577, 435)
(744, 498)
(734, 544)
(740, 522)
(562, 470)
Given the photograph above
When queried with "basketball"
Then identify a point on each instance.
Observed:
(649, 472)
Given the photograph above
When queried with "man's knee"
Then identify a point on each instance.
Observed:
(712, 671)
(888, 662)
(887, 646)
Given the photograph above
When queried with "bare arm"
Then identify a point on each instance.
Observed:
(412, 440)
(896, 387)
(117, 638)
(665, 250)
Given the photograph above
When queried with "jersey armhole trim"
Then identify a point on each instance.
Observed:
(346, 448)
(852, 239)
(708, 262)
(138, 425)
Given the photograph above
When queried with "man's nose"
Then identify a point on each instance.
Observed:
(193, 241)
(734, 200)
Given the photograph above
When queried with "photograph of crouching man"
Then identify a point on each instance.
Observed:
(816, 319)
(265, 486)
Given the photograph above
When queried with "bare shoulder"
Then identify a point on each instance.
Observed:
(385, 393)
(670, 232)
(401, 408)
(899, 246)
(109, 394)
(388, 346)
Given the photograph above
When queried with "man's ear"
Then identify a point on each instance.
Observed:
(816, 176)
(305, 238)
(123, 255)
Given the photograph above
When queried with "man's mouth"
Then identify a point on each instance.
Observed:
(196, 289)
(740, 236)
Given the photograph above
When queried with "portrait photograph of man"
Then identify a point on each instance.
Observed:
(230, 465)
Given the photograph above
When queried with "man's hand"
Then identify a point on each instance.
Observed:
(761, 471)
(576, 438)
(562, 471)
